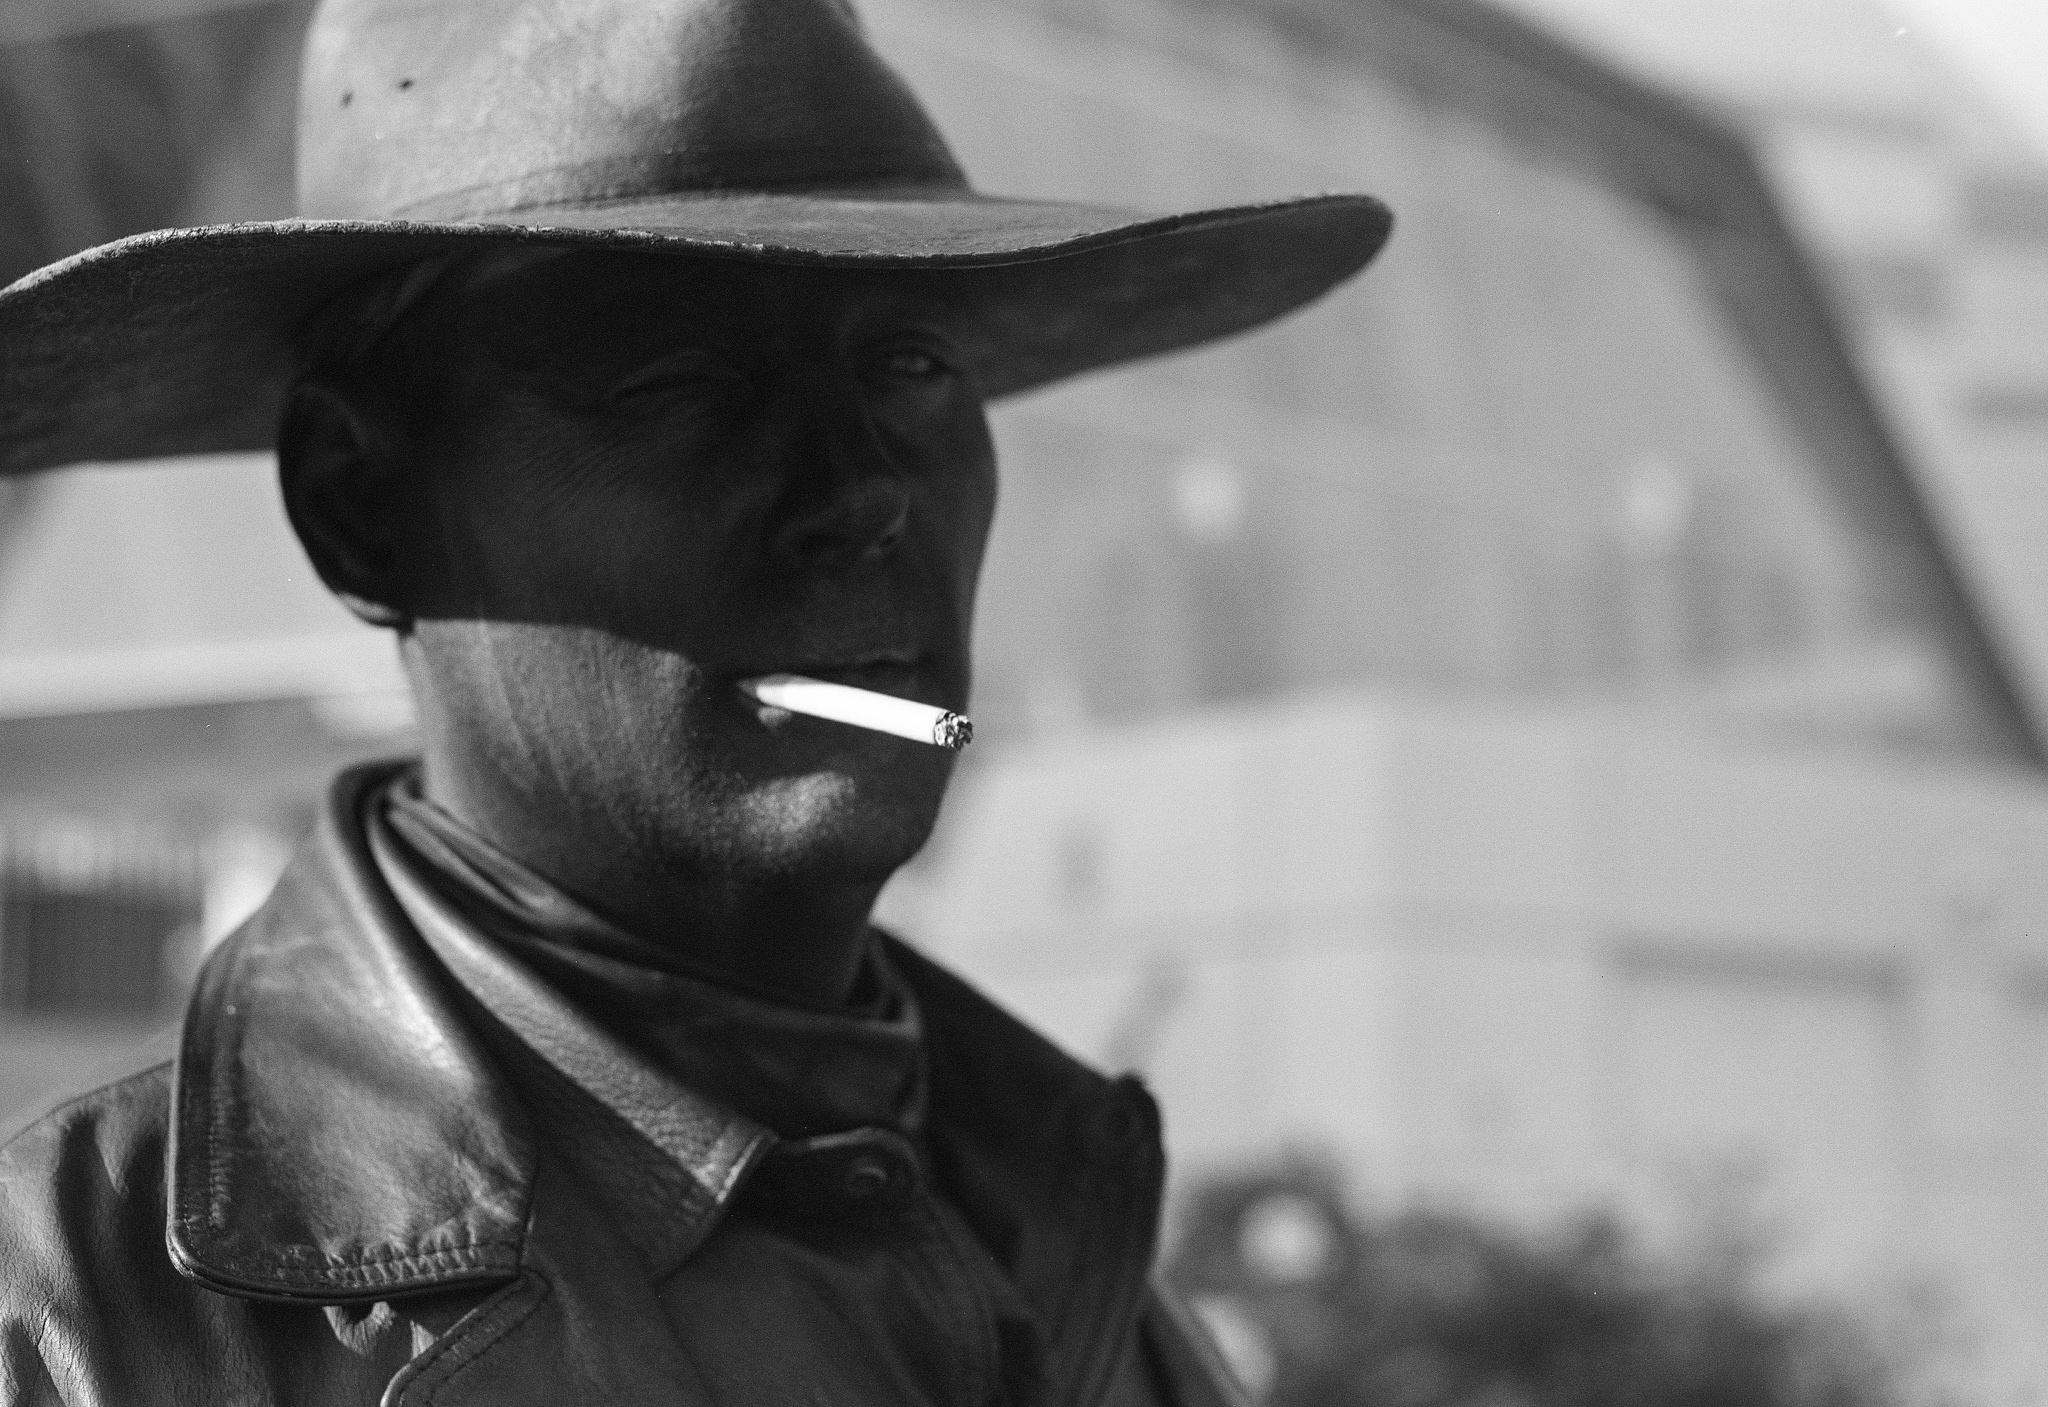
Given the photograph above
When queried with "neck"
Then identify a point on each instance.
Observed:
(797, 936)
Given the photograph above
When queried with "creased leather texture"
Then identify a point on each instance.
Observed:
(388, 1208)
(383, 1195)
(760, 130)
(713, 1146)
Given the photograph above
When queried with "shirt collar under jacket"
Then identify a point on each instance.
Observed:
(800, 1070)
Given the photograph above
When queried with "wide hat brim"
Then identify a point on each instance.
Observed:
(183, 341)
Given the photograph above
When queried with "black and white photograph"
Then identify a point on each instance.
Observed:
(1024, 703)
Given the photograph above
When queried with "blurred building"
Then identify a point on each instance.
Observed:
(1543, 725)
(1925, 209)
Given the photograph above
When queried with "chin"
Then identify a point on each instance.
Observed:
(829, 824)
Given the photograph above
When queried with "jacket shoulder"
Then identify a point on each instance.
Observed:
(80, 1179)
(81, 1225)
(85, 1149)
(92, 1311)
(136, 1085)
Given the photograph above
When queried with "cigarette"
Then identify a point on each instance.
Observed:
(842, 703)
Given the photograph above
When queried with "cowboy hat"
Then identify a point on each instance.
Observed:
(758, 130)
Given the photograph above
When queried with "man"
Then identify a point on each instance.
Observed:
(635, 349)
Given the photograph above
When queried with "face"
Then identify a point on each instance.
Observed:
(638, 481)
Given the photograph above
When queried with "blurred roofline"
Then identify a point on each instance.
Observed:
(31, 21)
(1702, 173)
(2000, 44)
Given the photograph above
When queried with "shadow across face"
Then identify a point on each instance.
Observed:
(594, 491)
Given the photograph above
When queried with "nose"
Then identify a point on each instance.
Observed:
(859, 526)
(853, 511)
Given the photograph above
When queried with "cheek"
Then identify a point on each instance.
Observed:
(557, 527)
(546, 679)
(966, 501)
(567, 707)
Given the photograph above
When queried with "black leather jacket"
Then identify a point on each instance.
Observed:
(336, 1192)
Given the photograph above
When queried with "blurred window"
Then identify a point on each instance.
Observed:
(81, 953)
(1528, 454)
(93, 921)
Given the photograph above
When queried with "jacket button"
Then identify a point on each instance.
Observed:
(864, 1178)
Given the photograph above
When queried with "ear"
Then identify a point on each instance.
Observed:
(338, 468)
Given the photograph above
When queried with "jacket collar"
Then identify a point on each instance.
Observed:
(667, 1156)
(342, 1132)
(344, 1129)
(338, 1132)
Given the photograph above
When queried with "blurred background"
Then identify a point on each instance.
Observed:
(1538, 760)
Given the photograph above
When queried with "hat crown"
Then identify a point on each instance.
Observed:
(461, 109)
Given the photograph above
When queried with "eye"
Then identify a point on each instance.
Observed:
(909, 363)
(913, 363)
(691, 376)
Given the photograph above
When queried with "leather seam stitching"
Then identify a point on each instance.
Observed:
(368, 1261)
(220, 1096)
(441, 1372)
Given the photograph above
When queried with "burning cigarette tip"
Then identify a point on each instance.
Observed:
(953, 732)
